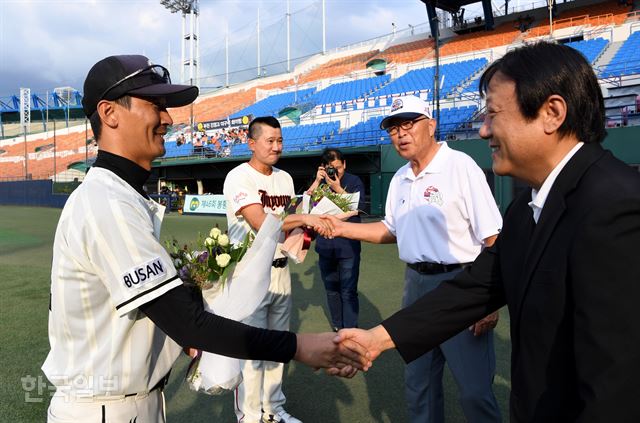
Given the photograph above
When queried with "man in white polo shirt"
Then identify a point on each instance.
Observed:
(441, 213)
(119, 314)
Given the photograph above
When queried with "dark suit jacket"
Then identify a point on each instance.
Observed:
(572, 285)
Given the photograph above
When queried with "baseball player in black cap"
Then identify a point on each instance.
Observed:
(119, 313)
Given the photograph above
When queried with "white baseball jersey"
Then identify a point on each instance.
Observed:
(443, 214)
(107, 261)
(244, 186)
(261, 388)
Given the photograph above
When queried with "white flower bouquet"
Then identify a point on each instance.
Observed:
(229, 291)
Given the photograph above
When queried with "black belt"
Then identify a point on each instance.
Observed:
(279, 262)
(160, 385)
(428, 268)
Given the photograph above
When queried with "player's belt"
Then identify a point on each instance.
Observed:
(428, 268)
(279, 262)
(160, 385)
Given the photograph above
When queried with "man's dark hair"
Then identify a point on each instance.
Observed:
(96, 123)
(255, 125)
(331, 154)
(544, 69)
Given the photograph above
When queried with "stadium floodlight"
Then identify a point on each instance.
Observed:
(551, 4)
(183, 6)
(187, 8)
(25, 122)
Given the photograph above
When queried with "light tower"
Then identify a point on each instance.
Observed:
(189, 38)
(25, 123)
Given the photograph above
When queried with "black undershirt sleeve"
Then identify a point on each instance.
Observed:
(180, 314)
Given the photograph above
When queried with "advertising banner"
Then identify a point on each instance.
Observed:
(205, 204)
(223, 123)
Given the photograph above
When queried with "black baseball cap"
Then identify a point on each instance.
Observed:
(116, 76)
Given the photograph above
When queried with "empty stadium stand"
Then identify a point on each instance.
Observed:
(600, 14)
(627, 60)
(275, 103)
(70, 147)
(338, 67)
(363, 133)
(503, 34)
(591, 49)
(307, 137)
(452, 75)
(344, 102)
(408, 52)
(349, 90)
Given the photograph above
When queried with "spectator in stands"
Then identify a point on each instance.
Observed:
(441, 213)
(339, 258)
(566, 261)
(118, 312)
(217, 147)
(197, 143)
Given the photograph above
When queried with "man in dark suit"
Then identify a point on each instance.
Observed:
(566, 261)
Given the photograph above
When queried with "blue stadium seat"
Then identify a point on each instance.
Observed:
(349, 91)
(172, 149)
(591, 49)
(271, 105)
(626, 61)
(454, 74)
(308, 137)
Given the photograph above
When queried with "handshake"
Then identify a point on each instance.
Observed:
(324, 225)
(344, 353)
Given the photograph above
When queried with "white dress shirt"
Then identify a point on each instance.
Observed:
(539, 197)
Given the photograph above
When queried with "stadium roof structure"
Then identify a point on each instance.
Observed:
(450, 5)
(453, 6)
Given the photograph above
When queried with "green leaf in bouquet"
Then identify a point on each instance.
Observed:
(225, 273)
(246, 243)
(323, 190)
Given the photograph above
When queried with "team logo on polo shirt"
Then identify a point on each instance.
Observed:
(396, 105)
(433, 195)
(145, 273)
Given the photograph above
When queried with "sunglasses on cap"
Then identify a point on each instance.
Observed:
(158, 73)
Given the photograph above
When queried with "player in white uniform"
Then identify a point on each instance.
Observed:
(119, 313)
(253, 189)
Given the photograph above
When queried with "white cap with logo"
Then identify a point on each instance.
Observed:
(408, 107)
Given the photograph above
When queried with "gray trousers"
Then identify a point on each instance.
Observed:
(471, 360)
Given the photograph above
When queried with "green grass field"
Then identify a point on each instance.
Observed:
(26, 236)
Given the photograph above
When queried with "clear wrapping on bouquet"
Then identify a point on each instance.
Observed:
(298, 241)
(236, 298)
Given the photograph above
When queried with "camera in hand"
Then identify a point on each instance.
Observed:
(331, 172)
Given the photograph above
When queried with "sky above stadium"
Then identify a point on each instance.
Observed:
(52, 43)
